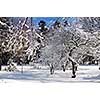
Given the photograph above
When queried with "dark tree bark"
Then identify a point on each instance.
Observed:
(73, 68)
(0, 62)
(99, 68)
(0, 67)
(51, 69)
(63, 67)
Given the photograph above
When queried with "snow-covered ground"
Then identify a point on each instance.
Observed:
(84, 74)
(30, 84)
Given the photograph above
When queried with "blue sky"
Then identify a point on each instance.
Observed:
(46, 19)
(49, 19)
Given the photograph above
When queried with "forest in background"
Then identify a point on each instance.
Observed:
(58, 44)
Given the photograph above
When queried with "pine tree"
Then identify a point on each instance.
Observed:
(4, 38)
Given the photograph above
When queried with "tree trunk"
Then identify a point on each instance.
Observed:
(51, 69)
(0, 67)
(63, 67)
(73, 68)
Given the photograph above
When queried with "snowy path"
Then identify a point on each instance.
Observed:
(84, 74)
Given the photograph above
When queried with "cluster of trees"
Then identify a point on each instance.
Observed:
(61, 44)
(19, 40)
(73, 40)
(70, 44)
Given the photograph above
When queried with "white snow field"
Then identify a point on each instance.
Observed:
(84, 74)
(38, 84)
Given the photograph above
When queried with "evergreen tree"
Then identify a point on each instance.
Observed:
(4, 39)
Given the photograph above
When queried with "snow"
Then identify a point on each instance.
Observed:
(84, 74)
(30, 84)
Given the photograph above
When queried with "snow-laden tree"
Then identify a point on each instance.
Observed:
(18, 42)
(90, 24)
(70, 43)
(91, 27)
(15, 40)
(61, 41)
(5, 34)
